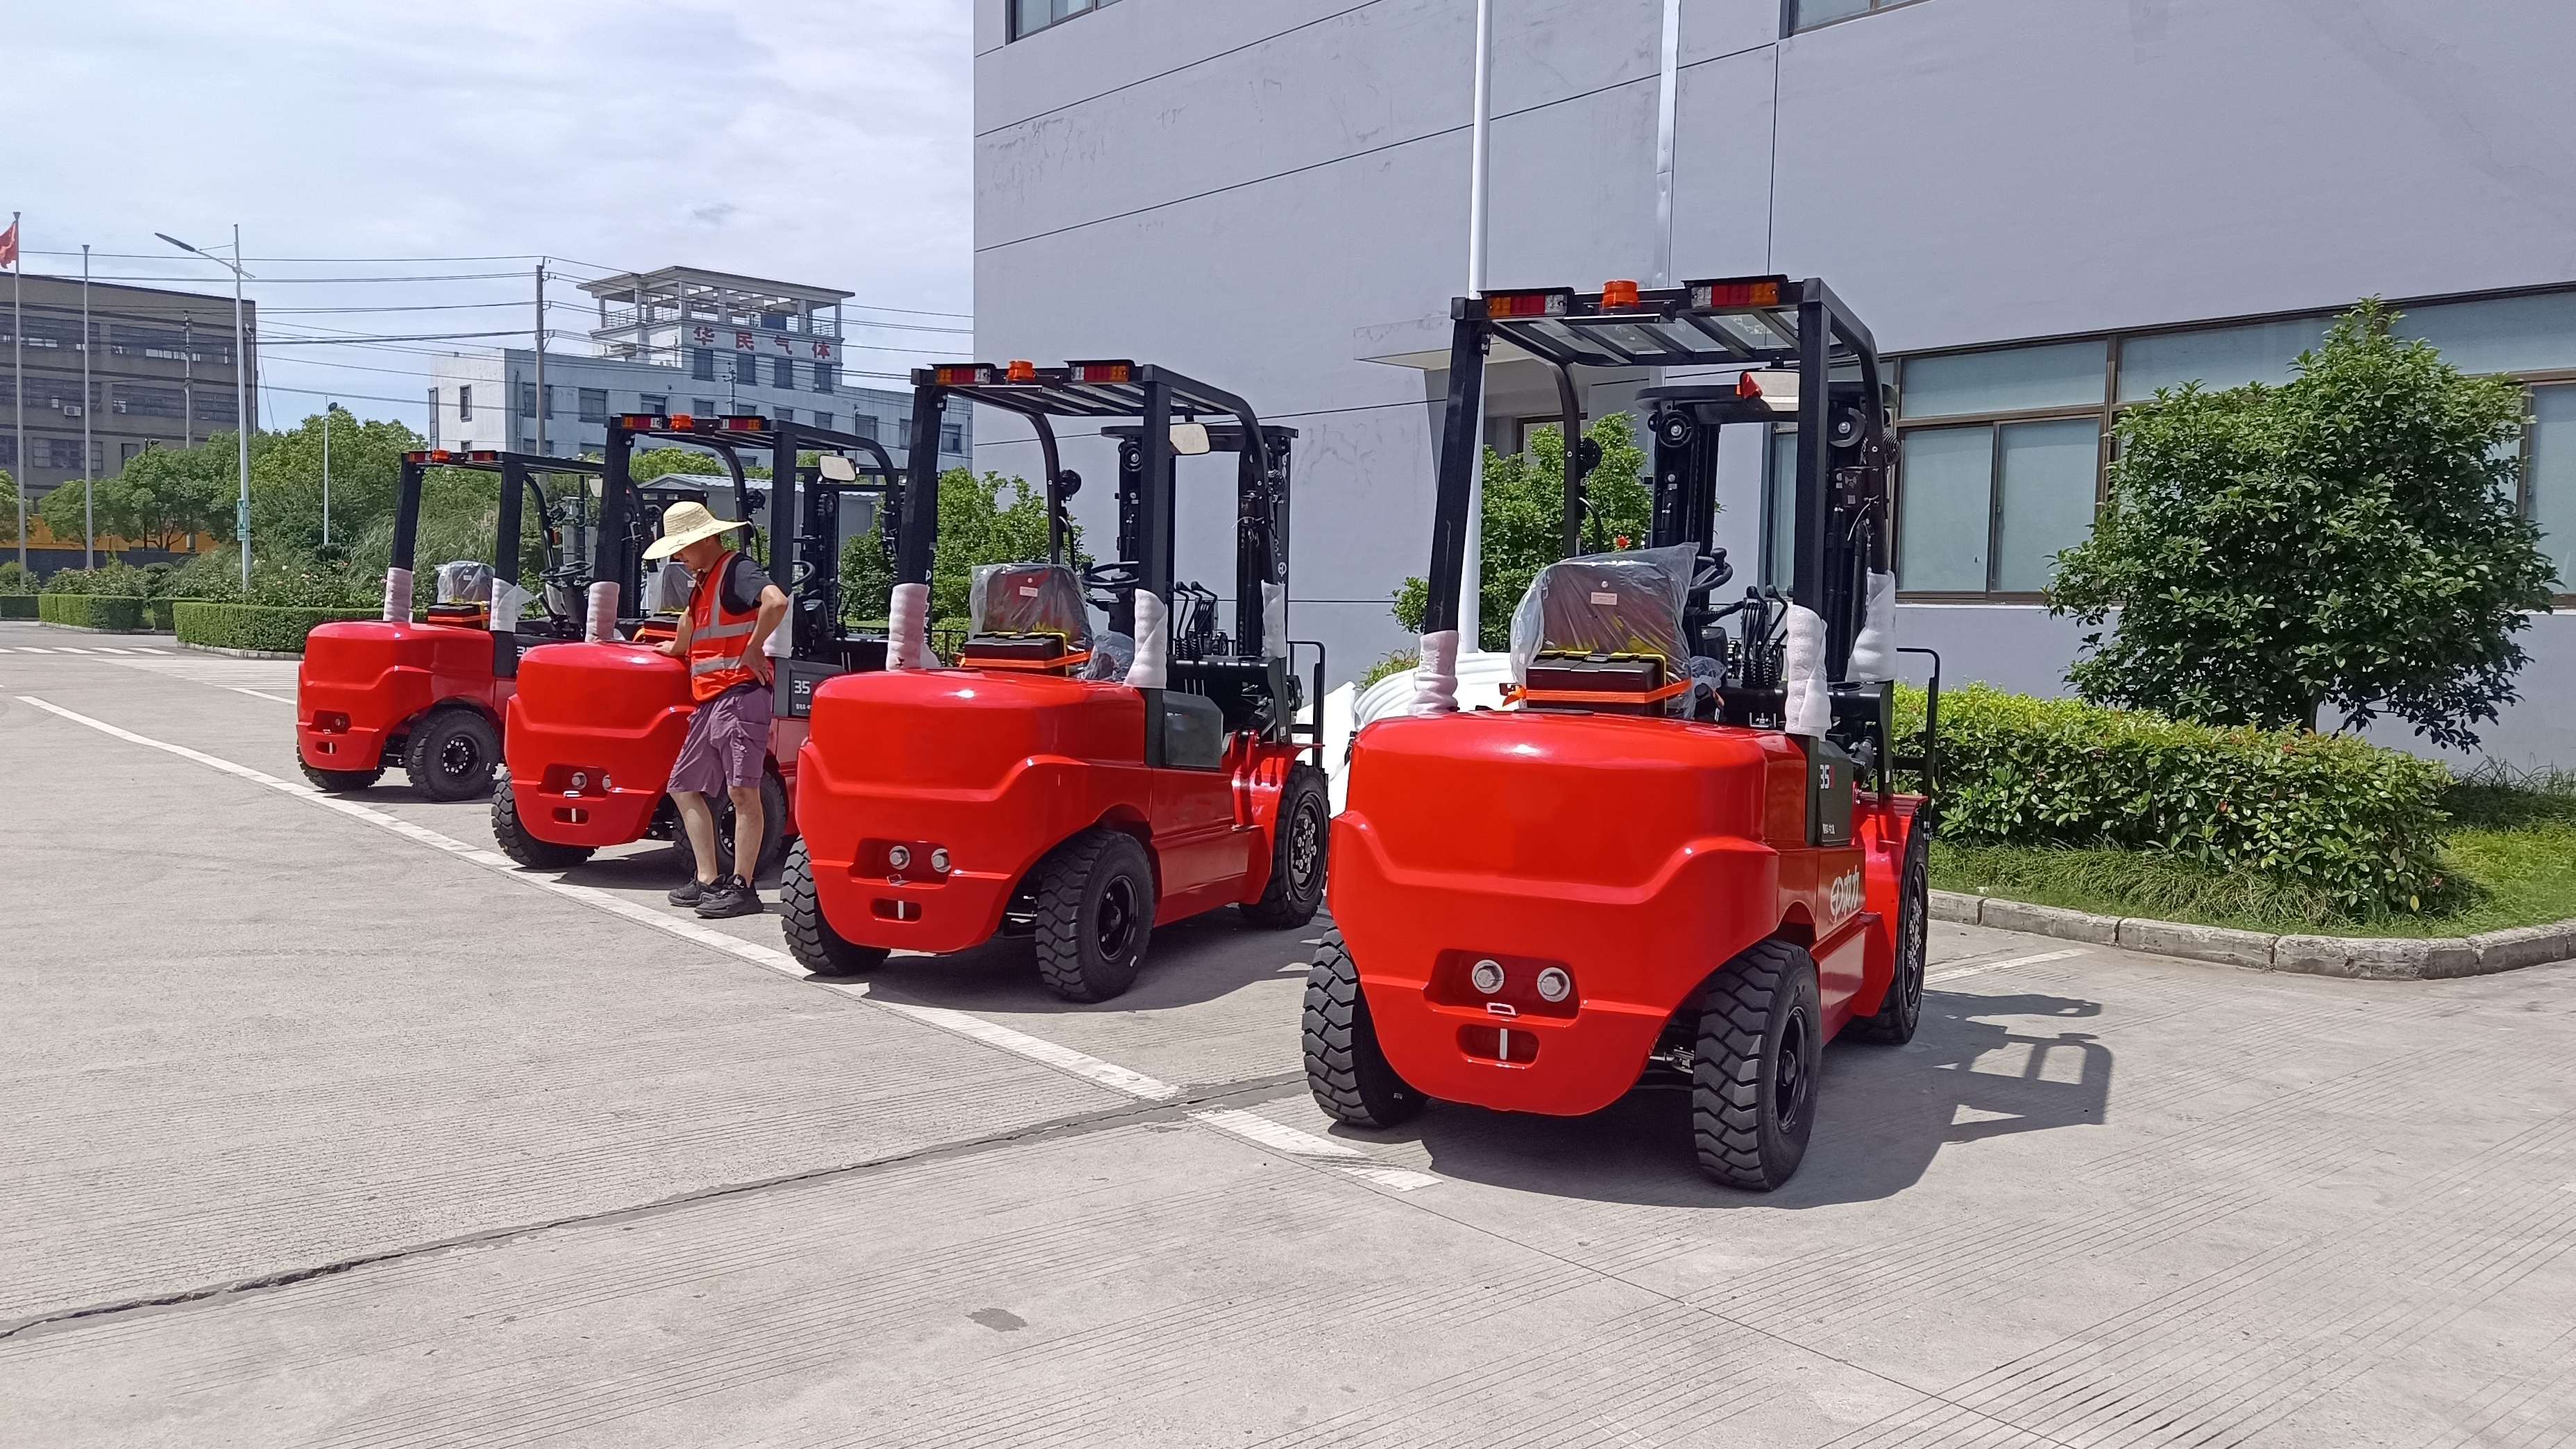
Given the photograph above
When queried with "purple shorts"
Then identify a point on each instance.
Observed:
(728, 743)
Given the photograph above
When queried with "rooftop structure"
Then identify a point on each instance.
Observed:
(659, 317)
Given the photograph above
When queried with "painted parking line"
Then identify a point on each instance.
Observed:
(2005, 964)
(1294, 1142)
(1064, 1059)
(260, 694)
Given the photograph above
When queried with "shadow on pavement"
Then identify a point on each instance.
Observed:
(1978, 1067)
(1201, 959)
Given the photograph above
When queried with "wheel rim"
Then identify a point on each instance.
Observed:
(1790, 1077)
(458, 757)
(1114, 926)
(1305, 848)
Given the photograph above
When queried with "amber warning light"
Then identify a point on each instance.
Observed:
(1022, 371)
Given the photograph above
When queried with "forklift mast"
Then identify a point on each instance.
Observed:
(519, 472)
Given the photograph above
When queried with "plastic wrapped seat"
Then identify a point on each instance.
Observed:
(1027, 616)
(464, 594)
(1604, 632)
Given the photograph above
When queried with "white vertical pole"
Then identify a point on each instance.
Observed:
(542, 409)
(1666, 101)
(1471, 583)
(89, 473)
(241, 416)
(18, 377)
(326, 472)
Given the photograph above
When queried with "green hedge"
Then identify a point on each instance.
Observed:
(2357, 821)
(91, 611)
(273, 628)
(18, 606)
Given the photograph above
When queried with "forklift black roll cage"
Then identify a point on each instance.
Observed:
(1843, 478)
(519, 472)
(1138, 403)
(801, 532)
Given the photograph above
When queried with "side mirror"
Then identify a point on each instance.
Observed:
(1189, 439)
(837, 469)
(1067, 483)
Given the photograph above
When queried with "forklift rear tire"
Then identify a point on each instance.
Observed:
(1299, 840)
(334, 782)
(1095, 913)
(452, 755)
(810, 937)
(1753, 1084)
(773, 832)
(1348, 1073)
(1902, 1008)
(517, 843)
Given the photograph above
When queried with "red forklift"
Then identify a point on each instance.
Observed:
(596, 724)
(430, 693)
(1679, 855)
(1032, 789)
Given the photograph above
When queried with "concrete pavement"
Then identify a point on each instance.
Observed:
(328, 1134)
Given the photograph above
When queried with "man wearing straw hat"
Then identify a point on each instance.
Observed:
(733, 609)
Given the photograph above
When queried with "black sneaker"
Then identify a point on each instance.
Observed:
(732, 896)
(690, 892)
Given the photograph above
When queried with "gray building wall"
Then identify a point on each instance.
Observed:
(1270, 196)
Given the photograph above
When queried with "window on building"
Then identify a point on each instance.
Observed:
(2549, 476)
(8, 451)
(1808, 14)
(127, 453)
(1028, 17)
(1986, 507)
(787, 415)
(863, 425)
(465, 404)
(823, 420)
(702, 363)
(823, 377)
(782, 373)
(528, 399)
(62, 453)
(952, 437)
(704, 407)
(654, 402)
(746, 369)
(594, 404)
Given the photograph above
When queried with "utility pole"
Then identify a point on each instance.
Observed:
(543, 409)
(89, 472)
(1471, 586)
(188, 381)
(241, 415)
(18, 375)
(327, 405)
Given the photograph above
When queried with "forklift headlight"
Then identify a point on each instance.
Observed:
(898, 856)
(1554, 984)
(939, 860)
(1487, 977)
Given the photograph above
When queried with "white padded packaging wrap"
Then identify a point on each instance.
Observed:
(907, 628)
(1435, 679)
(1274, 621)
(1153, 643)
(509, 601)
(1873, 656)
(397, 594)
(602, 623)
(1810, 709)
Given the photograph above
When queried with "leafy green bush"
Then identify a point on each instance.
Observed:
(17, 580)
(214, 574)
(91, 611)
(278, 630)
(2327, 812)
(121, 580)
(17, 606)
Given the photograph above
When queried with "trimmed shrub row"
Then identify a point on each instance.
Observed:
(2354, 820)
(276, 629)
(18, 606)
(91, 611)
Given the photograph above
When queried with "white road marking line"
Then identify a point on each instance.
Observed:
(103, 649)
(32, 649)
(1279, 1137)
(2004, 965)
(1046, 1053)
(256, 694)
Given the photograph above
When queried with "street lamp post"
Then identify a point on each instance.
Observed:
(241, 395)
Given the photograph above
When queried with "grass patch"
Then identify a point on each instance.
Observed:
(2507, 857)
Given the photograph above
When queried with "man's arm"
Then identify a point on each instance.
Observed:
(678, 648)
(773, 612)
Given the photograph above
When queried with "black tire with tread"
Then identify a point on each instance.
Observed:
(1292, 896)
(1075, 885)
(773, 832)
(517, 843)
(810, 937)
(441, 740)
(1345, 1068)
(335, 782)
(1747, 1136)
(1902, 1008)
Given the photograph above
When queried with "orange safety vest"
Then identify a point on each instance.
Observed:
(718, 637)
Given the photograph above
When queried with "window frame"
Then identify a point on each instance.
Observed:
(1789, 25)
(1013, 34)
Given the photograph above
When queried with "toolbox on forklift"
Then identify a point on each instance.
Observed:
(430, 693)
(1036, 788)
(1684, 850)
(597, 724)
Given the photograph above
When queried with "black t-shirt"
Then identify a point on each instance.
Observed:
(742, 585)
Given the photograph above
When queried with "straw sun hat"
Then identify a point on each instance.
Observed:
(684, 524)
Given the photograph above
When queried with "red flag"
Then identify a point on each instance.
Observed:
(9, 245)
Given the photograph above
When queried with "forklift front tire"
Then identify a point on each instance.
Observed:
(1095, 913)
(452, 754)
(810, 937)
(1753, 1085)
(1300, 837)
(1345, 1069)
(334, 782)
(517, 843)
(1901, 1010)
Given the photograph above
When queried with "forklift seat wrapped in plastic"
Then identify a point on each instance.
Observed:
(1604, 632)
(1027, 616)
(465, 582)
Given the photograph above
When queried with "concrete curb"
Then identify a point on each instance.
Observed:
(239, 653)
(2364, 958)
(92, 629)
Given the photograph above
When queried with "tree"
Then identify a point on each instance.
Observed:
(286, 479)
(976, 526)
(2348, 539)
(1525, 519)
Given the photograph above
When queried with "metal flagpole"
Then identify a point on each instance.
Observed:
(89, 472)
(18, 374)
(1471, 586)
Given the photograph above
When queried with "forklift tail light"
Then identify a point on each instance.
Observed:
(1533, 304)
(962, 374)
(633, 421)
(1739, 292)
(743, 423)
(482, 455)
(1618, 296)
(418, 455)
(1103, 371)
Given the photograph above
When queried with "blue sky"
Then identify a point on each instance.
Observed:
(798, 139)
